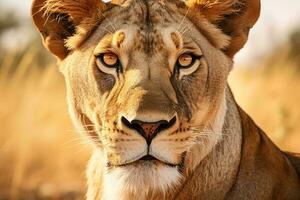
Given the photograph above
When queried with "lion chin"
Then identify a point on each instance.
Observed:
(140, 177)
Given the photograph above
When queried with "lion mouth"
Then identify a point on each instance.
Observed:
(152, 158)
(147, 159)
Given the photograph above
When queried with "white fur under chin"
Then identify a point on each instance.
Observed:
(135, 182)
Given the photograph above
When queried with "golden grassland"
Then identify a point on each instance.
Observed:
(272, 98)
(42, 157)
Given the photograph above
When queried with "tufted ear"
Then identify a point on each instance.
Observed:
(65, 24)
(234, 17)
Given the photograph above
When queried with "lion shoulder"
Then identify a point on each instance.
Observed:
(264, 167)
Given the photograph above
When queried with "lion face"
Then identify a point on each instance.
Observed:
(154, 88)
(147, 84)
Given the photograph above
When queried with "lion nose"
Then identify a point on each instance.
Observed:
(148, 129)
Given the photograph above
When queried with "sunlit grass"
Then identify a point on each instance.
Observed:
(272, 98)
(40, 153)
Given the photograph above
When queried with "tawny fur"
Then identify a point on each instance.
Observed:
(215, 10)
(216, 151)
(84, 14)
(236, 17)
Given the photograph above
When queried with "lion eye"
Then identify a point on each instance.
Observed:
(109, 59)
(185, 60)
(109, 63)
(187, 64)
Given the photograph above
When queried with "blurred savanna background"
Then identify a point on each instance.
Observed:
(42, 156)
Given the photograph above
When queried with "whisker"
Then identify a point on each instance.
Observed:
(183, 19)
(94, 138)
(109, 21)
(80, 131)
(106, 29)
(184, 29)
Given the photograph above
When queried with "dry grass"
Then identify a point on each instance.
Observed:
(41, 156)
(40, 153)
(272, 98)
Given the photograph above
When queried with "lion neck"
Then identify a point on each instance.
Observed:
(216, 173)
(211, 178)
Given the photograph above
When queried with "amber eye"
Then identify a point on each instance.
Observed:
(185, 60)
(109, 63)
(109, 59)
(187, 63)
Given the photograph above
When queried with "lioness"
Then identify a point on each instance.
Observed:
(147, 82)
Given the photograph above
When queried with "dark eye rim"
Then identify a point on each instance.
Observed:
(194, 58)
(100, 57)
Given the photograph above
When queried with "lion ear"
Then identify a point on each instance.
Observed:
(64, 24)
(234, 17)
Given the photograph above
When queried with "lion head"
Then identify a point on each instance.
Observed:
(146, 80)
